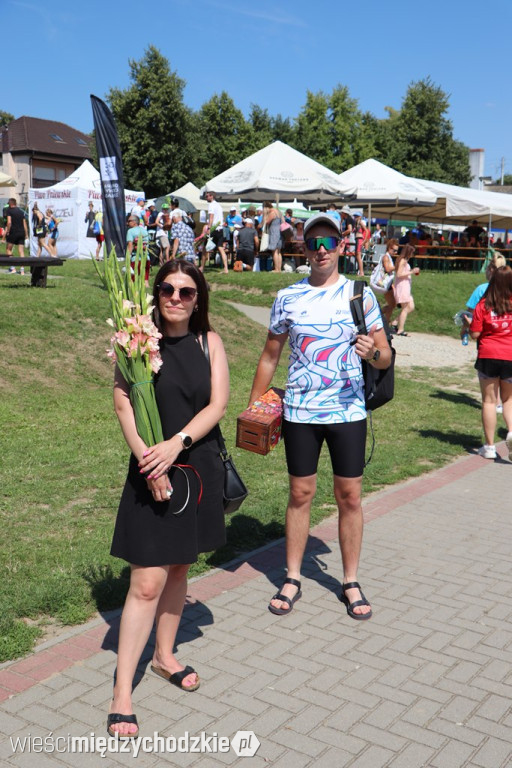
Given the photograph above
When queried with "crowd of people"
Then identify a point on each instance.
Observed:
(45, 229)
(255, 238)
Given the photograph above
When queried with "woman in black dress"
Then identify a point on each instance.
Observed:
(192, 395)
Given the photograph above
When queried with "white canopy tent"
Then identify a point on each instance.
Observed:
(193, 194)
(69, 202)
(454, 205)
(462, 205)
(278, 172)
(6, 181)
(376, 183)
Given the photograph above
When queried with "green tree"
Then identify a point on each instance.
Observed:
(351, 138)
(283, 130)
(381, 132)
(223, 137)
(5, 118)
(313, 130)
(259, 129)
(423, 143)
(94, 151)
(507, 180)
(154, 126)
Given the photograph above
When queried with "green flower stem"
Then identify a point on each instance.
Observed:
(135, 370)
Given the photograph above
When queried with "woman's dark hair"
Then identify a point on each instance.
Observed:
(498, 296)
(199, 321)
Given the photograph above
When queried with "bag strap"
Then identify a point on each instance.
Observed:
(206, 351)
(357, 306)
(357, 309)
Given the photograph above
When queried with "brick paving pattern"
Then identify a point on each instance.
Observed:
(426, 682)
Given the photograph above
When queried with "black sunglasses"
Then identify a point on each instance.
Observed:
(185, 294)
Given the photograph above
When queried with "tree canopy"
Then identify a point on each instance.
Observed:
(165, 144)
(424, 146)
(154, 126)
(5, 118)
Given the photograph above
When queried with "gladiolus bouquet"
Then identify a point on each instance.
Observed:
(134, 345)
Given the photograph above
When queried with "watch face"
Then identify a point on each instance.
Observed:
(187, 441)
(376, 355)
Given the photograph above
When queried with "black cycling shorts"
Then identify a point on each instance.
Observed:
(346, 443)
(491, 368)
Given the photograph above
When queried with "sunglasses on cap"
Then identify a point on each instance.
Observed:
(329, 243)
(185, 294)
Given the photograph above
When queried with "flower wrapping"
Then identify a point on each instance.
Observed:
(135, 344)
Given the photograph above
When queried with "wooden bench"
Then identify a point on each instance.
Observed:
(38, 266)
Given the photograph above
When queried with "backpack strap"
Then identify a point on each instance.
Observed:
(357, 307)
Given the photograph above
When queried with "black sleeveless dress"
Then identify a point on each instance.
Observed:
(146, 532)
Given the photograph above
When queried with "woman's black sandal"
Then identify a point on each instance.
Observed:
(115, 718)
(287, 600)
(177, 678)
(350, 606)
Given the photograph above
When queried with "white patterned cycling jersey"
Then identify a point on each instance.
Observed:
(325, 381)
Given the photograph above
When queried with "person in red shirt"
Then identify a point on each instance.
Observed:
(492, 326)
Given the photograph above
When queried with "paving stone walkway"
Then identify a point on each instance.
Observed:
(426, 682)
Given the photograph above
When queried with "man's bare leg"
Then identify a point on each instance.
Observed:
(302, 492)
(347, 491)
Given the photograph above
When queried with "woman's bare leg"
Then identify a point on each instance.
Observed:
(146, 586)
(489, 389)
(168, 616)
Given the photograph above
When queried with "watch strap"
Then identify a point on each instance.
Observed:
(185, 439)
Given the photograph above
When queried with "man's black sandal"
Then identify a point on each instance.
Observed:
(356, 603)
(287, 600)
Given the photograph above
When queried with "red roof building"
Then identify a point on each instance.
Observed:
(39, 153)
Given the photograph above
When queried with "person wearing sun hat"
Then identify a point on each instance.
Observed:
(324, 402)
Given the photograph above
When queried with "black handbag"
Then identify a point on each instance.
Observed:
(235, 490)
(379, 384)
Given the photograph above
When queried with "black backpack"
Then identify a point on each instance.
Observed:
(379, 384)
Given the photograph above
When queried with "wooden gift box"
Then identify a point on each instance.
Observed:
(258, 428)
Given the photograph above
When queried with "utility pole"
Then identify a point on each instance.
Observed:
(502, 169)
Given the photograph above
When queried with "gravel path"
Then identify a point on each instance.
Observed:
(422, 349)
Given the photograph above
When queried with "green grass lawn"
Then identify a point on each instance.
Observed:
(64, 459)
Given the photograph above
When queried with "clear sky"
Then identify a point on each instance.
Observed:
(269, 53)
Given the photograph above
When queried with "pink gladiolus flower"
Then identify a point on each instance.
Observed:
(133, 324)
(122, 338)
(137, 340)
(155, 361)
(146, 324)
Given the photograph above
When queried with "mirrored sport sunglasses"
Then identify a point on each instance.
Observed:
(329, 243)
(185, 294)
